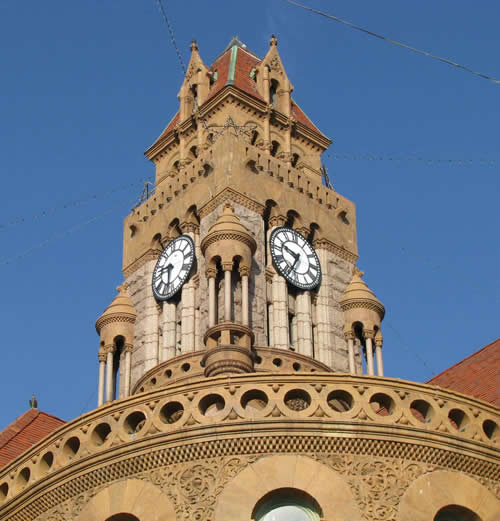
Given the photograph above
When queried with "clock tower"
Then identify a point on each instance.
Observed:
(242, 259)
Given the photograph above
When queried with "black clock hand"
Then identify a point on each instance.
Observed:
(169, 269)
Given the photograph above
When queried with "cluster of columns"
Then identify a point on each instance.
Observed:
(106, 390)
(227, 268)
(369, 338)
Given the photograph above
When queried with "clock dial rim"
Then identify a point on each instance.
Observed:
(166, 296)
(306, 286)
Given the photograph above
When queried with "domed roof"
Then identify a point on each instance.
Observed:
(358, 292)
(228, 223)
(121, 306)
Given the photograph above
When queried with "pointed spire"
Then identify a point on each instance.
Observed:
(273, 42)
(193, 46)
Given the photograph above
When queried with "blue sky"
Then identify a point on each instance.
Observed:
(87, 87)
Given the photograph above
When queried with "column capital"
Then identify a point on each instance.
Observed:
(101, 356)
(189, 227)
(379, 341)
(303, 230)
(349, 335)
(369, 333)
(110, 348)
(227, 266)
(128, 348)
(244, 270)
(277, 220)
(211, 273)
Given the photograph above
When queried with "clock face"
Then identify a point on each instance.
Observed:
(295, 258)
(173, 267)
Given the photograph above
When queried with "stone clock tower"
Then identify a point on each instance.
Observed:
(240, 365)
(239, 160)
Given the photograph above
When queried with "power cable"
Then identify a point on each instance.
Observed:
(172, 35)
(70, 204)
(429, 160)
(61, 235)
(395, 42)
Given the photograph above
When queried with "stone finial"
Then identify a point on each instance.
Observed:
(33, 402)
(273, 42)
(357, 272)
(193, 46)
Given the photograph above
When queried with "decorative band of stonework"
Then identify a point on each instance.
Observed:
(325, 244)
(228, 236)
(378, 473)
(362, 304)
(149, 255)
(115, 317)
(231, 195)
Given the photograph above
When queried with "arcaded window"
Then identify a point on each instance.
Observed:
(123, 517)
(456, 513)
(273, 92)
(287, 504)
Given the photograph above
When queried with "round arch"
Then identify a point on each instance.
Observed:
(332, 493)
(132, 497)
(428, 494)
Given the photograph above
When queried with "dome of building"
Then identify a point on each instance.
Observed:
(121, 306)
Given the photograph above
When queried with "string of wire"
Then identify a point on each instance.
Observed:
(429, 160)
(394, 42)
(70, 204)
(172, 35)
(63, 234)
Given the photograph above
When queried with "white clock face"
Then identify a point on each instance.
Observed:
(173, 267)
(295, 258)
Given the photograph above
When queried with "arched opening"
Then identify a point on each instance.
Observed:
(194, 93)
(456, 513)
(295, 159)
(287, 504)
(254, 137)
(123, 517)
(275, 146)
(273, 93)
(193, 152)
(119, 343)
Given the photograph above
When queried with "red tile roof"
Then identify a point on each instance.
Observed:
(245, 62)
(478, 375)
(24, 432)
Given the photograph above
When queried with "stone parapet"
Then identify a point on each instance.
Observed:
(317, 413)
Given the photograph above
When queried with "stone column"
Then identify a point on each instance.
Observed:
(270, 318)
(150, 320)
(304, 323)
(212, 303)
(369, 334)
(378, 355)
(169, 330)
(128, 359)
(100, 387)
(110, 387)
(227, 268)
(325, 345)
(244, 272)
(279, 297)
(349, 336)
(188, 298)
(280, 309)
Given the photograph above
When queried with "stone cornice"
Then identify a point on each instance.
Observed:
(228, 194)
(114, 317)
(148, 255)
(340, 251)
(363, 304)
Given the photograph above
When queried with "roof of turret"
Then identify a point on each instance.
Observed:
(121, 305)
(357, 290)
(228, 221)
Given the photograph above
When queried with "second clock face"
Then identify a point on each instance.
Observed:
(173, 267)
(295, 258)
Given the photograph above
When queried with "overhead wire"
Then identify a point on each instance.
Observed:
(394, 42)
(70, 204)
(60, 235)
